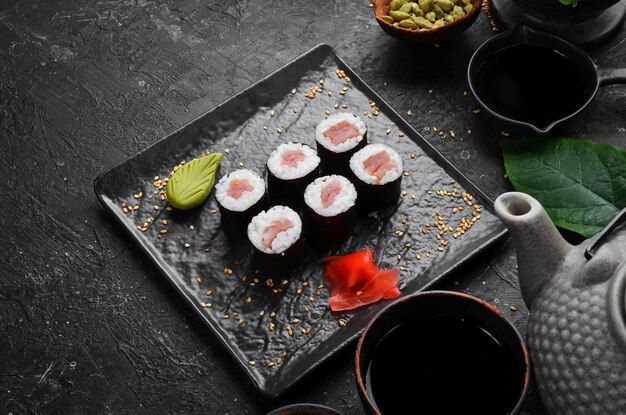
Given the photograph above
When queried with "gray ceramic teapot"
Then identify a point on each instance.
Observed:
(577, 301)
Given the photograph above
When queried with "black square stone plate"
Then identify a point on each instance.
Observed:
(279, 327)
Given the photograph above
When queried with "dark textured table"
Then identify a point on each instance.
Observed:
(87, 325)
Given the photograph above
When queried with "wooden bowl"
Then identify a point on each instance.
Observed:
(425, 36)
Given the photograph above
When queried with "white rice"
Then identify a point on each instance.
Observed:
(344, 200)
(284, 239)
(306, 166)
(356, 164)
(325, 124)
(247, 199)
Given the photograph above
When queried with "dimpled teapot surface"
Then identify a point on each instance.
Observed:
(577, 325)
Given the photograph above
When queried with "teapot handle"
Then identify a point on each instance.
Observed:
(600, 237)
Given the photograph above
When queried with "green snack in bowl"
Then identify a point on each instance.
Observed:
(446, 5)
(458, 12)
(468, 8)
(398, 16)
(430, 17)
(388, 19)
(191, 184)
(423, 23)
(438, 12)
(448, 18)
(407, 24)
(426, 5)
(466, 2)
(406, 7)
(395, 5)
(439, 23)
(415, 8)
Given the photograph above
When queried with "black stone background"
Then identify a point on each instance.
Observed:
(87, 325)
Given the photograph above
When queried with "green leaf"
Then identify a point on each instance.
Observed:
(190, 185)
(581, 184)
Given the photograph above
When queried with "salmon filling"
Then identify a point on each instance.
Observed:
(378, 165)
(292, 158)
(330, 192)
(341, 132)
(238, 187)
(273, 230)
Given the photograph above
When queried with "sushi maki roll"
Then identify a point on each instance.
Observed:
(338, 138)
(276, 235)
(330, 214)
(240, 196)
(377, 172)
(291, 167)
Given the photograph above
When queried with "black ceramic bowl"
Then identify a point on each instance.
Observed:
(304, 409)
(436, 303)
(591, 76)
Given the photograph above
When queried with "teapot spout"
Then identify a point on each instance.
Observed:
(540, 248)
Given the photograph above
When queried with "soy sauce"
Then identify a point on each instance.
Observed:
(442, 365)
(532, 84)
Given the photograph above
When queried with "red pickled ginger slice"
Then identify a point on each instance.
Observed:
(355, 280)
(341, 132)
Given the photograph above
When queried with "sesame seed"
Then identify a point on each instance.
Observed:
(261, 313)
(279, 130)
(225, 316)
(409, 113)
(163, 231)
(240, 321)
(336, 105)
(344, 106)
(401, 134)
(187, 245)
(227, 151)
(214, 211)
(273, 314)
(341, 322)
(249, 300)
(199, 280)
(293, 91)
(272, 113)
(388, 131)
(513, 308)
(252, 363)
